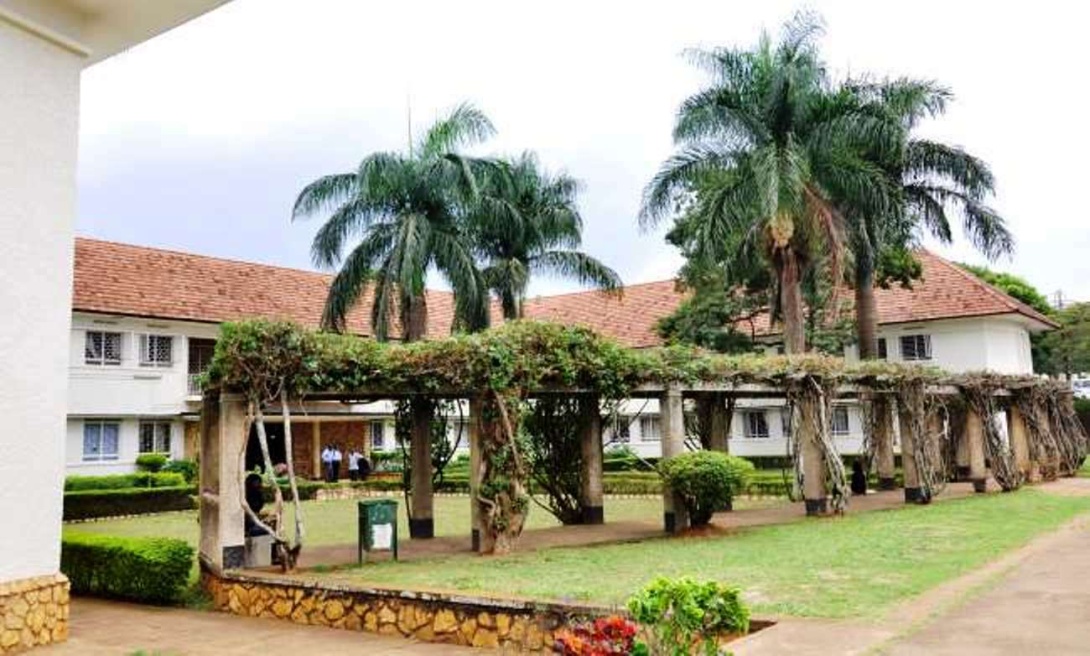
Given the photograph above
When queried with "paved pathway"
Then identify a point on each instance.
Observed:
(1034, 600)
(101, 628)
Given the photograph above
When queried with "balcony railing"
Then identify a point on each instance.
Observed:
(193, 385)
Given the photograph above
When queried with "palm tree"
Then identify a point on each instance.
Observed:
(930, 179)
(769, 145)
(408, 211)
(528, 222)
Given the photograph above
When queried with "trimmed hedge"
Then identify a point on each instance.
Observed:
(151, 462)
(149, 570)
(187, 468)
(88, 504)
(706, 481)
(123, 481)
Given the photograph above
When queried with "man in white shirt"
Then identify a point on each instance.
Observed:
(354, 465)
(327, 463)
(336, 473)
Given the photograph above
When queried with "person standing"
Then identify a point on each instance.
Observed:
(354, 457)
(336, 473)
(327, 464)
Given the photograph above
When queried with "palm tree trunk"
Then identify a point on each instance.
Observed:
(417, 319)
(791, 305)
(866, 310)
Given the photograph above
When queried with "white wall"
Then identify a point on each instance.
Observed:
(39, 107)
(128, 446)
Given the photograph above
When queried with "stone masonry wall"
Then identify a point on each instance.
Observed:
(33, 612)
(516, 626)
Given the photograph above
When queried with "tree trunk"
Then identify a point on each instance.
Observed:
(416, 319)
(289, 454)
(791, 305)
(866, 312)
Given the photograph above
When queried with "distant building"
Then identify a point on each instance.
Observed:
(144, 324)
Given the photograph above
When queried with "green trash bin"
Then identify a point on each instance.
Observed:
(377, 527)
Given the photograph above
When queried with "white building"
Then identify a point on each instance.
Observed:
(135, 350)
(44, 45)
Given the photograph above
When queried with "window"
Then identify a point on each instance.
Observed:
(378, 435)
(155, 437)
(785, 422)
(102, 348)
(882, 353)
(840, 421)
(756, 424)
(100, 440)
(619, 430)
(915, 347)
(156, 350)
(650, 428)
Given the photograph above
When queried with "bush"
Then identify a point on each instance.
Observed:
(705, 481)
(150, 570)
(187, 468)
(151, 462)
(686, 617)
(386, 461)
(87, 504)
(123, 481)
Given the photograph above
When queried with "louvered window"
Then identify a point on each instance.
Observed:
(102, 348)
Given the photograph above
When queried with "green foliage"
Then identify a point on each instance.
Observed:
(1067, 350)
(187, 468)
(123, 481)
(714, 320)
(151, 462)
(687, 617)
(386, 461)
(553, 428)
(147, 570)
(1014, 286)
(706, 481)
(87, 504)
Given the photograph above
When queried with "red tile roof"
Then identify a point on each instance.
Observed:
(114, 278)
(130, 280)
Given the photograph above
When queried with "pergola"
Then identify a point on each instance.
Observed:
(539, 360)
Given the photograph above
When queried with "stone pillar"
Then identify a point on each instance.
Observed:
(883, 441)
(223, 458)
(316, 452)
(974, 438)
(720, 424)
(1019, 440)
(474, 472)
(813, 460)
(591, 491)
(671, 411)
(422, 523)
(909, 440)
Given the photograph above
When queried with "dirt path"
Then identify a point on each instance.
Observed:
(101, 628)
(1032, 600)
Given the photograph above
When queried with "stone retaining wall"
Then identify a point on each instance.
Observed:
(33, 612)
(518, 626)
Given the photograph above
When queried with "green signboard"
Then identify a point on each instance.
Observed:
(377, 527)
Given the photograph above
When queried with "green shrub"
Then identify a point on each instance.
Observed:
(686, 617)
(187, 468)
(123, 481)
(705, 481)
(151, 462)
(150, 570)
(386, 461)
(87, 504)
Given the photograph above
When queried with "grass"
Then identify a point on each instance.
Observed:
(856, 566)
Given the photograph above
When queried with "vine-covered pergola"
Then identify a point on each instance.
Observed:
(945, 422)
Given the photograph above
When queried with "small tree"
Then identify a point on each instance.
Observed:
(705, 481)
(686, 617)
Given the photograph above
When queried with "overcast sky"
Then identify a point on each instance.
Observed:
(200, 139)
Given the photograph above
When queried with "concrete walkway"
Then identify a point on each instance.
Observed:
(1034, 600)
(101, 628)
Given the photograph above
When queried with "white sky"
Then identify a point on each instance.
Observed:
(200, 139)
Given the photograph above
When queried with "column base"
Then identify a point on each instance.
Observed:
(669, 522)
(594, 515)
(886, 484)
(980, 485)
(422, 528)
(475, 540)
(816, 507)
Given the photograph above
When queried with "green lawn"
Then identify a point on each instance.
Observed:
(855, 566)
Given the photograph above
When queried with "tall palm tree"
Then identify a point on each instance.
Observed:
(930, 180)
(769, 145)
(408, 211)
(527, 222)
